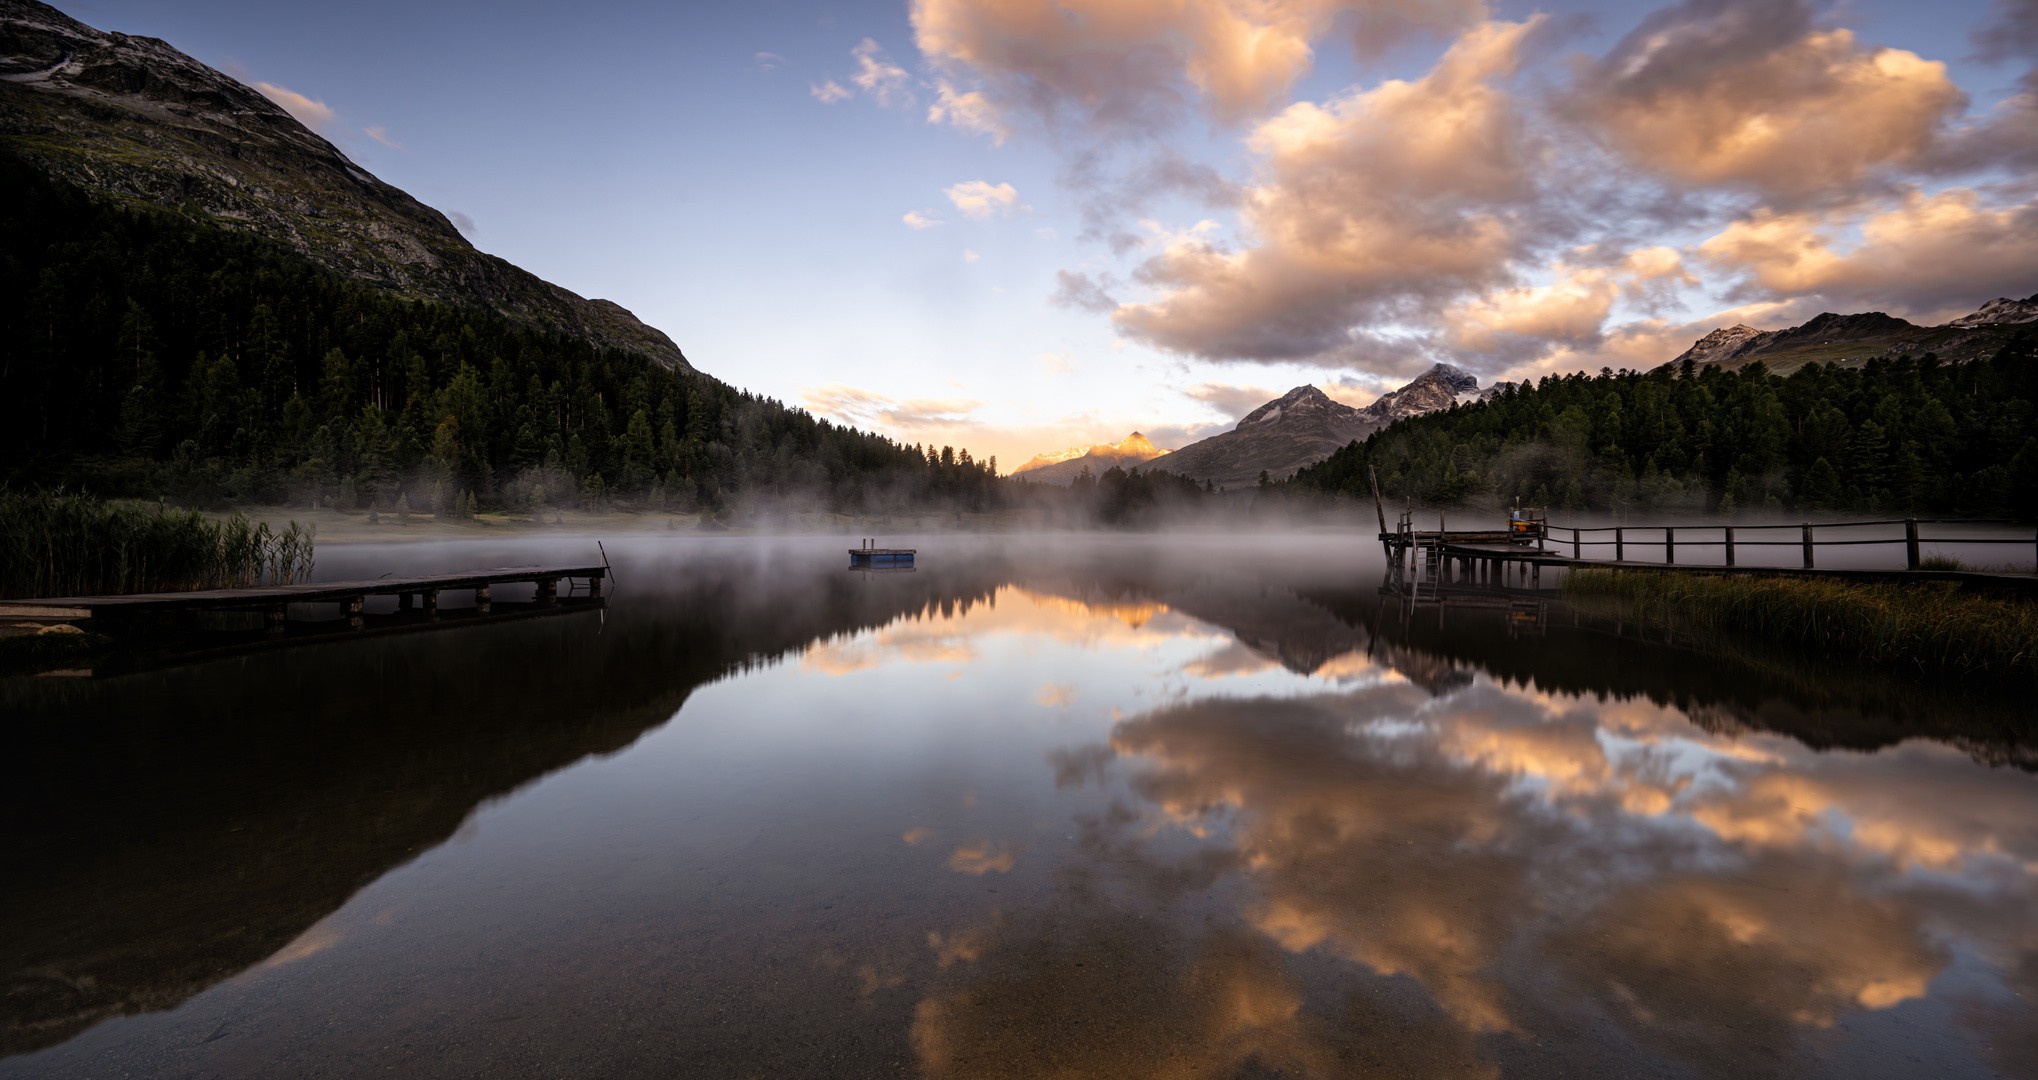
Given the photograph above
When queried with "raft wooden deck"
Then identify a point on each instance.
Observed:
(276, 599)
(863, 557)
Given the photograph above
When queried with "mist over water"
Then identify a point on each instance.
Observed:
(1111, 806)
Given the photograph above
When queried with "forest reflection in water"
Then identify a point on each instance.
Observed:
(1060, 810)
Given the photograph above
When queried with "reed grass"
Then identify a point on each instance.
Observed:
(1935, 628)
(57, 543)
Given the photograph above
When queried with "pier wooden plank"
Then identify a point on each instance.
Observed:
(78, 607)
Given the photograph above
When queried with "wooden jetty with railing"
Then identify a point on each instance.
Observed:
(1525, 546)
(413, 593)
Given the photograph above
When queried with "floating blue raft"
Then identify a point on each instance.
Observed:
(880, 557)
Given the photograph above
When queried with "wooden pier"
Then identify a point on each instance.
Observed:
(1521, 549)
(414, 593)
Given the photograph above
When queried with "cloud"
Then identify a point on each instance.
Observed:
(969, 110)
(830, 92)
(381, 135)
(861, 407)
(767, 62)
(1140, 64)
(1232, 401)
(1572, 309)
(918, 219)
(879, 77)
(1078, 290)
(1928, 256)
(1749, 92)
(969, 256)
(1057, 365)
(1389, 200)
(316, 115)
(982, 199)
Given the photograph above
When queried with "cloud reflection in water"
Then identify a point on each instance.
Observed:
(1528, 859)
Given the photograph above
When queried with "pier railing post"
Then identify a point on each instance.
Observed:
(1730, 545)
(1911, 543)
(482, 599)
(1620, 545)
(1669, 546)
(1808, 545)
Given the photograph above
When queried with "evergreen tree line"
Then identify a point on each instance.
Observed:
(1903, 436)
(145, 353)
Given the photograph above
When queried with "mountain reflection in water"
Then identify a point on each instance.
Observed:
(1119, 809)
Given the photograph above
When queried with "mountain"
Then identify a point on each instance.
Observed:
(1305, 426)
(133, 120)
(1066, 465)
(1856, 339)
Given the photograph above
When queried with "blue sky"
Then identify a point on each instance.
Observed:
(1545, 188)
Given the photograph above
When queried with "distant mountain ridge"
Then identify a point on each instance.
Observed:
(1306, 425)
(1065, 465)
(1853, 339)
(134, 120)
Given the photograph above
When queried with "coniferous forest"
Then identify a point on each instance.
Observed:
(1908, 435)
(144, 353)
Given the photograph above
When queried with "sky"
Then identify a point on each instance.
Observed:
(1017, 226)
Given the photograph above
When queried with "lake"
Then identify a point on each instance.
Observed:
(1045, 806)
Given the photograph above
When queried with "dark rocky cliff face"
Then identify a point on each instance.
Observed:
(133, 120)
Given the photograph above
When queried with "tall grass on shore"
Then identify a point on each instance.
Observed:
(57, 543)
(1935, 628)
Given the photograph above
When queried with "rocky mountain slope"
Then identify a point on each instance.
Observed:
(1856, 339)
(133, 120)
(1305, 425)
(1064, 466)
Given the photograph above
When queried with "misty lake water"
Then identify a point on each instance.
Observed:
(1119, 807)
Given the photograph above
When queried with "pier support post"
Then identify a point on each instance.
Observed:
(1574, 544)
(279, 614)
(431, 603)
(1620, 545)
(1669, 547)
(1808, 545)
(548, 591)
(481, 599)
(1730, 545)
(594, 586)
(1911, 542)
(355, 607)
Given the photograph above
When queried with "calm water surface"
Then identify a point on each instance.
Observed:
(1121, 808)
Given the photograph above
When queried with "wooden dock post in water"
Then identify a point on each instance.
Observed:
(1374, 476)
(1911, 542)
(1669, 546)
(1730, 545)
(1620, 545)
(1807, 545)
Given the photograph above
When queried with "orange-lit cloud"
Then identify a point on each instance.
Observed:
(316, 115)
(1749, 92)
(1115, 63)
(1385, 197)
(1927, 256)
(982, 199)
